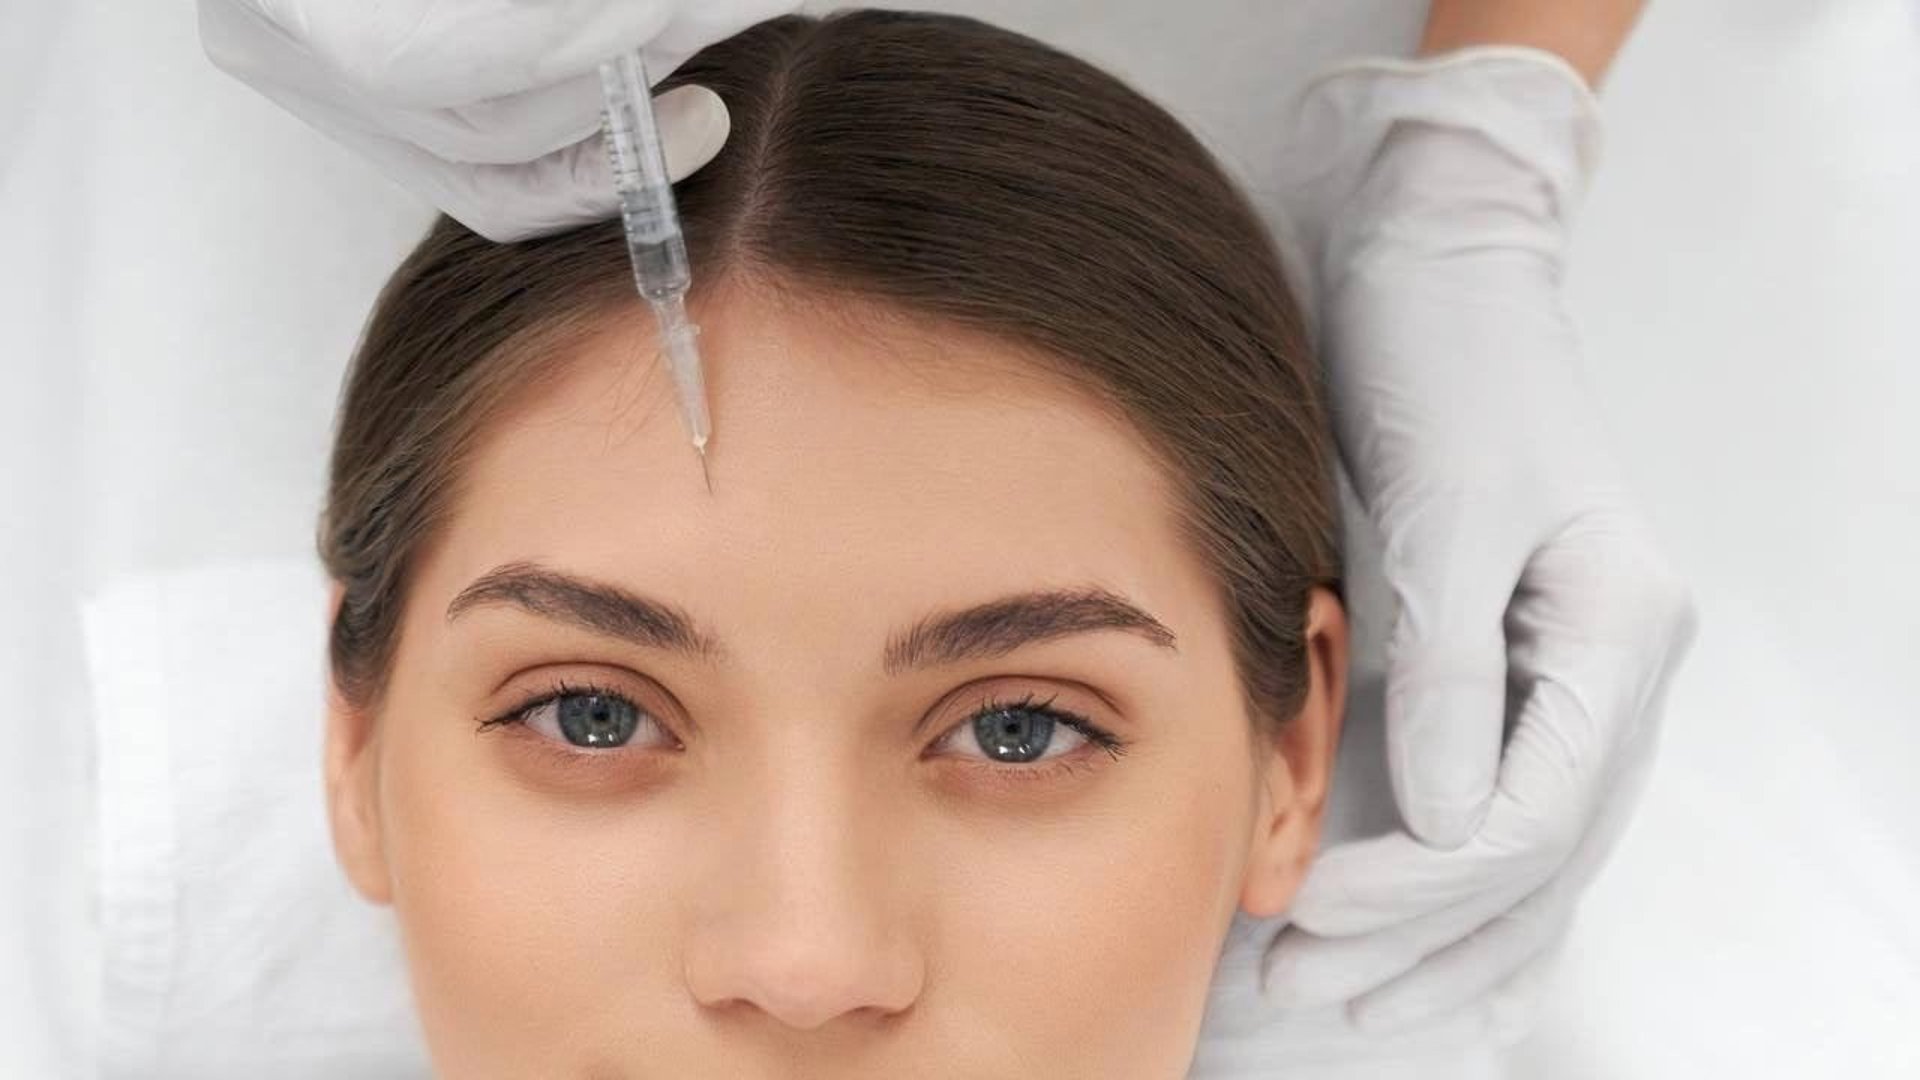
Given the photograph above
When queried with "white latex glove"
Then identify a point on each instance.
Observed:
(1537, 623)
(491, 112)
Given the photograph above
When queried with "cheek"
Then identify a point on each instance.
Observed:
(1101, 932)
(489, 878)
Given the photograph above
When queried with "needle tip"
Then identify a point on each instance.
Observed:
(704, 474)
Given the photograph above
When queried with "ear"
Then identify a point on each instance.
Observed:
(353, 807)
(1299, 769)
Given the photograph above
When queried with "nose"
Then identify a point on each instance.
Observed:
(797, 919)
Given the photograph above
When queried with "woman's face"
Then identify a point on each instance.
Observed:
(914, 749)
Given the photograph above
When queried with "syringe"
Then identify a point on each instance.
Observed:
(654, 240)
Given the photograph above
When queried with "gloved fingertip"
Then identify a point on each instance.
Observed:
(1445, 824)
(694, 124)
(1446, 760)
(1278, 982)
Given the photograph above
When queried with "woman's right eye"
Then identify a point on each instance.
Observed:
(590, 719)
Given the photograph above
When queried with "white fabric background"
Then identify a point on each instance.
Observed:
(183, 270)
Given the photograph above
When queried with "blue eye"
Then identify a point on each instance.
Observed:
(1025, 731)
(586, 717)
(596, 720)
(1014, 734)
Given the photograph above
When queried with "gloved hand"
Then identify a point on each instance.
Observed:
(1535, 611)
(491, 112)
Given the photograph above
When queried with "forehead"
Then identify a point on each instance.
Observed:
(849, 450)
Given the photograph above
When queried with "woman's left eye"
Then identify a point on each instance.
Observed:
(1025, 731)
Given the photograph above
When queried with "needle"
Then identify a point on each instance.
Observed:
(655, 243)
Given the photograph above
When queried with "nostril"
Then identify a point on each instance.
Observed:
(804, 984)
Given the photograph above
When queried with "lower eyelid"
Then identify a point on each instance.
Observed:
(594, 774)
(1044, 771)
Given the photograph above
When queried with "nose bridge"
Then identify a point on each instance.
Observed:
(799, 917)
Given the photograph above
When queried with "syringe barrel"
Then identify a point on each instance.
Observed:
(660, 270)
(638, 158)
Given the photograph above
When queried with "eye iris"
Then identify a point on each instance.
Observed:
(595, 720)
(1013, 734)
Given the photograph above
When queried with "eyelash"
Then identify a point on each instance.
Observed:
(1096, 736)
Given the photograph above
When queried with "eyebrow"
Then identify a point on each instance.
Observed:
(1002, 626)
(982, 631)
(601, 609)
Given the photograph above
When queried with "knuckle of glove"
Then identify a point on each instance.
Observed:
(1628, 584)
(1656, 598)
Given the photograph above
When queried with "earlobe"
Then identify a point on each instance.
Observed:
(352, 788)
(1300, 770)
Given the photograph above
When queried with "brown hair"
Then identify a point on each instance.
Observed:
(932, 165)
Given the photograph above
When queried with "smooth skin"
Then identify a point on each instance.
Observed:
(809, 867)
